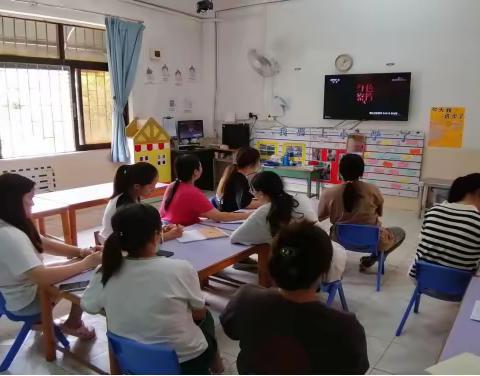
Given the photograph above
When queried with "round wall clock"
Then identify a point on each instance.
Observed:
(343, 62)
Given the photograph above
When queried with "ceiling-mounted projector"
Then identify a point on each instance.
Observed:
(204, 6)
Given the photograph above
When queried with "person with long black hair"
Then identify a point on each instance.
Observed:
(288, 330)
(233, 191)
(450, 233)
(358, 202)
(184, 203)
(165, 302)
(131, 183)
(21, 263)
(277, 210)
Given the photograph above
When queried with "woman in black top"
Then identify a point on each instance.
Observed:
(233, 192)
(288, 330)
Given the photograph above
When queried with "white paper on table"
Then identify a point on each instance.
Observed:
(203, 233)
(463, 364)
(476, 311)
(191, 236)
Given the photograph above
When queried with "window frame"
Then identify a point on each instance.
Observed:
(75, 67)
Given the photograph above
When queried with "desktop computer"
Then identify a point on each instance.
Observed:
(189, 133)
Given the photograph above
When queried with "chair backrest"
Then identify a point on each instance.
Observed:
(358, 238)
(214, 202)
(442, 279)
(136, 358)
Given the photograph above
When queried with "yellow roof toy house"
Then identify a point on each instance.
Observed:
(150, 143)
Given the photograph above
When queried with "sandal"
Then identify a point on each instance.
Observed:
(367, 262)
(83, 332)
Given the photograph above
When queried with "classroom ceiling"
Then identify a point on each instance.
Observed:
(190, 6)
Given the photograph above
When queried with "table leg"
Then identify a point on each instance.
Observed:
(41, 226)
(67, 235)
(263, 274)
(318, 189)
(114, 368)
(309, 187)
(47, 326)
(72, 218)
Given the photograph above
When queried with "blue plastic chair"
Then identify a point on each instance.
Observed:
(135, 358)
(364, 239)
(28, 321)
(436, 281)
(331, 289)
(214, 202)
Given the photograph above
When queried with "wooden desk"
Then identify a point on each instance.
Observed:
(308, 173)
(45, 208)
(465, 333)
(426, 186)
(208, 257)
(87, 197)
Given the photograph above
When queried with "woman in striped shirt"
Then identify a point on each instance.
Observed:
(450, 233)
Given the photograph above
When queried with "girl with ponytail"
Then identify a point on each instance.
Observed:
(131, 183)
(278, 209)
(233, 192)
(149, 298)
(184, 203)
(357, 202)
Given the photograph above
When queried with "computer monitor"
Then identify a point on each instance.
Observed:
(189, 129)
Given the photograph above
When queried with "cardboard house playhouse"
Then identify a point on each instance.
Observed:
(149, 142)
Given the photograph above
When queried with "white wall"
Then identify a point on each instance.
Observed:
(182, 41)
(436, 40)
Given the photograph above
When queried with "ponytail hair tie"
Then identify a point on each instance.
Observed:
(288, 252)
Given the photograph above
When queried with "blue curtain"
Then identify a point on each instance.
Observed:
(124, 40)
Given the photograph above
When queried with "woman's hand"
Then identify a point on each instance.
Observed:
(171, 232)
(93, 260)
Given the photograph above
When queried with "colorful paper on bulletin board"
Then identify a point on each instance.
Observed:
(296, 150)
(446, 127)
(267, 149)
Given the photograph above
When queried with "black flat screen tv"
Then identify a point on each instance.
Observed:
(373, 96)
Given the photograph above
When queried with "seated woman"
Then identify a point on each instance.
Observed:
(450, 233)
(233, 192)
(357, 202)
(21, 263)
(278, 210)
(288, 330)
(165, 303)
(131, 183)
(184, 203)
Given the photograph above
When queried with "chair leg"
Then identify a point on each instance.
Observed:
(61, 337)
(417, 303)
(379, 270)
(341, 294)
(15, 346)
(407, 312)
(331, 294)
(382, 258)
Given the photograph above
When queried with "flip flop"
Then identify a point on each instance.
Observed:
(83, 332)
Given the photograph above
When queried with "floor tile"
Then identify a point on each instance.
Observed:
(413, 358)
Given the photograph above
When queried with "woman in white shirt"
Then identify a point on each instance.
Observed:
(21, 264)
(278, 209)
(131, 183)
(152, 299)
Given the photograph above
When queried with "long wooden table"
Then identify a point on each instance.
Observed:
(86, 197)
(465, 333)
(45, 208)
(308, 173)
(208, 257)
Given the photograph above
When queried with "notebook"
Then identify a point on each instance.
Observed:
(203, 233)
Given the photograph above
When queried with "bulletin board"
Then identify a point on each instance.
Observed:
(393, 159)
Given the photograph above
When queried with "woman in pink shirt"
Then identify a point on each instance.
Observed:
(184, 203)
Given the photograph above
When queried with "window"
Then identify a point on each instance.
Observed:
(54, 88)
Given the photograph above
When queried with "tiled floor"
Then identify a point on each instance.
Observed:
(379, 312)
